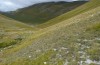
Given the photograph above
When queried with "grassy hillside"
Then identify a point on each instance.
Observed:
(88, 6)
(11, 31)
(73, 41)
(42, 12)
(8, 23)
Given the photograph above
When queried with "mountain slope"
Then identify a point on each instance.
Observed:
(42, 12)
(8, 23)
(74, 41)
(88, 6)
(11, 31)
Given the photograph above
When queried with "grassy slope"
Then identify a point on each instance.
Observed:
(88, 6)
(42, 12)
(64, 42)
(9, 23)
(11, 31)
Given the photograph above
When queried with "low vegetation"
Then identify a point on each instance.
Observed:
(73, 41)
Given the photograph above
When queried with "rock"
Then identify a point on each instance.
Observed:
(29, 56)
(45, 62)
(63, 48)
(55, 49)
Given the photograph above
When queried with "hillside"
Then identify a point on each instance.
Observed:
(85, 7)
(75, 40)
(8, 23)
(12, 32)
(42, 12)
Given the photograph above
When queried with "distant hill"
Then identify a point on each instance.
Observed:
(42, 12)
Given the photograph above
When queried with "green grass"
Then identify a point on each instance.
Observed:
(38, 61)
(68, 42)
(11, 31)
(95, 27)
(11, 42)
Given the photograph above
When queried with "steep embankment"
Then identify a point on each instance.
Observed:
(42, 12)
(74, 41)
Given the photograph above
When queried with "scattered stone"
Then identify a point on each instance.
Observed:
(9, 47)
(82, 56)
(85, 40)
(88, 47)
(97, 38)
(79, 44)
(55, 49)
(81, 62)
(45, 62)
(88, 61)
(66, 62)
(92, 15)
(63, 48)
(78, 39)
(67, 52)
(81, 52)
(77, 34)
(58, 55)
(24, 53)
(30, 56)
(38, 50)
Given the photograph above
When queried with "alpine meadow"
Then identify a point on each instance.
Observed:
(51, 33)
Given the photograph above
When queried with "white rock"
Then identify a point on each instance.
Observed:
(81, 62)
(29, 56)
(63, 48)
(78, 39)
(82, 56)
(4, 48)
(58, 55)
(38, 50)
(66, 62)
(92, 15)
(81, 52)
(97, 62)
(97, 38)
(88, 61)
(24, 53)
(85, 40)
(55, 49)
(45, 62)
(88, 47)
(67, 52)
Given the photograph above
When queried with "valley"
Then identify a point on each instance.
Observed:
(73, 38)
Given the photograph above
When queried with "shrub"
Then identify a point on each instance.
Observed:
(94, 54)
(12, 42)
(5, 44)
